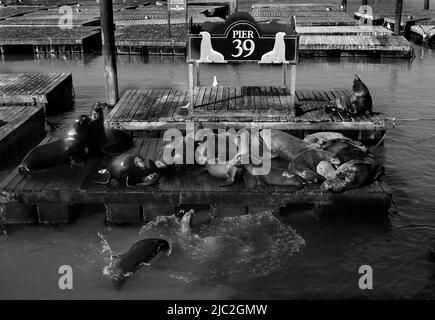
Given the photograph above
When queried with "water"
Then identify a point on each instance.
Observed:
(251, 257)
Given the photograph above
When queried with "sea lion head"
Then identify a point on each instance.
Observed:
(97, 112)
(139, 162)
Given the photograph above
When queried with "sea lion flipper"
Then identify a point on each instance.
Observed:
(227, 182)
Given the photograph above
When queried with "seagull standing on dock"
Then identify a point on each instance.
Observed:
(215, 82)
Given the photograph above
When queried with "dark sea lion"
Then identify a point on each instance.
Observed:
(305, 164)
(101, 140)
(353, 174)
(359, 102)
(132, 170)
(71, 149)
(117, 141)
(320, 138)
(141, 252)
(283, 145)
(337, 145)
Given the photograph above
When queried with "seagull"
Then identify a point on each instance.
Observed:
(215, 82)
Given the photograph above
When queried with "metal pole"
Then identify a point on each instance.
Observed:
(398, 20)
(426, 4)
(108, 39)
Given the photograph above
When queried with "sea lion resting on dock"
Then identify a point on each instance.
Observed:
(305, 164)
(101, 140)
(283, 145)
(359, 102)
(354, 174)
(129, 169)
(143, 251)
(320, 138)
(71, 149)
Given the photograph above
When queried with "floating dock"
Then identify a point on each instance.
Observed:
(14, 11)
(49, 39)
(422, 33)
(51, 197)
(53, 91)
(151, 40)
(241, 107)
(21, 128)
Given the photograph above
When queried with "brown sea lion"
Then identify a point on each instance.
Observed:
(71, 149)
(283, 145)
(229, 171)
(305, 164)
(354, 174)
(359, 102)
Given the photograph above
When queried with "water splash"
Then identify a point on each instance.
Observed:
(229, 248)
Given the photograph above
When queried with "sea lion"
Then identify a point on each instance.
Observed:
(359, 102)
(276, 177)
(143, 251)
(305, 164)
(283, 145)
(132, 170)
(229, 171)
(173, 155)
(101, 140)
(70, 149)
(321, 138)
(337, 145)
(353, 174)
(228, 153)
(326, 169)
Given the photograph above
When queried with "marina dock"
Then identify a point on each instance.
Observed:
(53, 91)
(49, 39)
(240, 107)
(21, 128)
(51, 197)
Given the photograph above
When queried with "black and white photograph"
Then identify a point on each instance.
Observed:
(215, 156)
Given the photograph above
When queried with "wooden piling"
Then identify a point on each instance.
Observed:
(398, 20)
(426, 4)
(344, 5)
(364, 2)
(108, 38)
(234, 4)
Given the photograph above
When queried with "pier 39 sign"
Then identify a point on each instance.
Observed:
(242, 39)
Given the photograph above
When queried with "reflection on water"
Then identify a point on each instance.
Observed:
(251, 257)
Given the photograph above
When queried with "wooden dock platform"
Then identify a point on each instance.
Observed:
(422, 33)
(151, 40)
(378, 46)
(14, 11)
(240, 107)
(49, 39)
(53, 91)
(21, 128)
(51, 197)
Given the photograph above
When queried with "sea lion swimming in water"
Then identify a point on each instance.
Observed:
(359, 102)
(143, 251)
(132, 170)
(71, 149)
(305, 164)
(353, 174)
